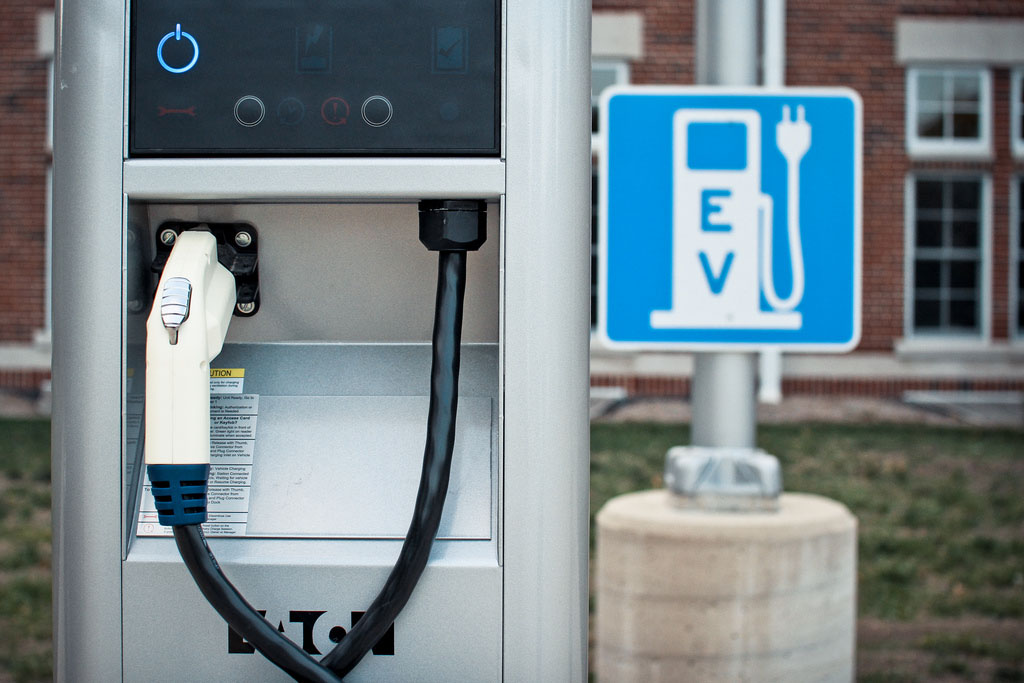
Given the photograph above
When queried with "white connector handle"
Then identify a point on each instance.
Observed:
(184, 332)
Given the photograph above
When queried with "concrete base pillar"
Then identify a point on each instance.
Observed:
(684, 595)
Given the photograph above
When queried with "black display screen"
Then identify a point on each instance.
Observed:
(325, 77)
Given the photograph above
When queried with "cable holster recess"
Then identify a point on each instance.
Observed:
(451, 227)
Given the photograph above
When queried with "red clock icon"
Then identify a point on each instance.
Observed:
(334, 111)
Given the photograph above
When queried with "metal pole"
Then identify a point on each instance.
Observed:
(724, 384)
(723, 470)
(724, 405)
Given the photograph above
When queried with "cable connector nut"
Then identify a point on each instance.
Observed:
(453, 224)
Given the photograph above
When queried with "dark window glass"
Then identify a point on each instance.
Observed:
(926, 313)
(963, 314)
(963, 275)
(965, 126)
(929, 194)
(929, 125)
(929, 234)
(593, 243)
(965, 234)
(966, 194)
(927, 274)
(1020, 218)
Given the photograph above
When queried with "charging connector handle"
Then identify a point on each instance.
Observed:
(184, 332)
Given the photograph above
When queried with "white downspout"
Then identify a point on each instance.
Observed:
(773, 75)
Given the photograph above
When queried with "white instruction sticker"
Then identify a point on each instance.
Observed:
(233, 418)
(227, 499)
(232, 427)
(234, 404)
(231, 475)
(236, 452)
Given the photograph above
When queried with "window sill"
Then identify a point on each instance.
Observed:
(923, 152)
(965, 349)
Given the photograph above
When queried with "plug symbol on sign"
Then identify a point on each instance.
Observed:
(722, 256)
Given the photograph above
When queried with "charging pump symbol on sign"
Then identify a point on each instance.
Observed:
(729, 219)
(722, 256)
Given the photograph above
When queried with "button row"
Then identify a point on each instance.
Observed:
(376, 111)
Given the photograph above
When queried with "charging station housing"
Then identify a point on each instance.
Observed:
(321, 125)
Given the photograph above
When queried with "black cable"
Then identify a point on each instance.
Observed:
(239, 614)
(437, 464)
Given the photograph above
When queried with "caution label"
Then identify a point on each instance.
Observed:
(227, 380)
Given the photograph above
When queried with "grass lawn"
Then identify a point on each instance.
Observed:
(941, 515)
(25, 618)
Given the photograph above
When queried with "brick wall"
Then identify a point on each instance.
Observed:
(679, 387)
(23, 163)
(852, 44)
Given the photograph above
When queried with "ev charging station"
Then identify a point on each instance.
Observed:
(266, 183)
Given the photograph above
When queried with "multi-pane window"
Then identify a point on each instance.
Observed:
(947, 254)
(603, 74)
(948, 112)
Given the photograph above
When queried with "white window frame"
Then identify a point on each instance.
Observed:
(1015, 335)
(45, 50)
(1016, 111)
(950, 148)
(622, 75)
(940, 339)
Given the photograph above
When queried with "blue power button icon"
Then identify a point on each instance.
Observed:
(177, 34)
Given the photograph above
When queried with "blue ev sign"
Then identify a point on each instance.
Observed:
(730, 219)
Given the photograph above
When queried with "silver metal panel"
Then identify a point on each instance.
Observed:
(449, 631)
(291, 369)
(546, 340)
(313, 179)
(340, 434)
(350, 466)
(88, 250)
(349, 272)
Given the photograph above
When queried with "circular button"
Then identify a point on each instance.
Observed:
(290, 111)
(177, 53)
(334, 111)
(377, 111)
(249, 111)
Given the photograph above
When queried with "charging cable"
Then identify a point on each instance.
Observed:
(793, 138)
(450, 227)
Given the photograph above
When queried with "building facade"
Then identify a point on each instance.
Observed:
(942, 84)
(943, 178)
